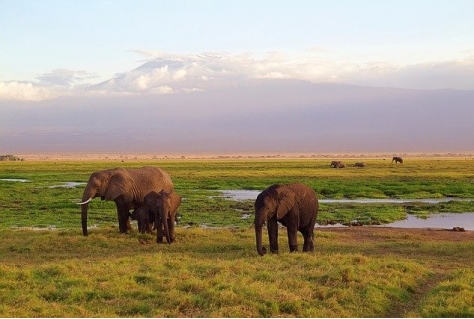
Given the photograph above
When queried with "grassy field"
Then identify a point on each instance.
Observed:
(49, 269)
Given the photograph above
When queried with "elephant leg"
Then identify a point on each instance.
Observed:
(159, 227)
(292, 239)
(123, 219)
(272, 226)
(308, 240)
(171, 228)
(149, 227)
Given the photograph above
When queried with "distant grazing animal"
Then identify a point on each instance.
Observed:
(337, 164)
(397, 159)
(359, 164)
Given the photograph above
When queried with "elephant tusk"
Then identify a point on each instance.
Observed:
(85, 202)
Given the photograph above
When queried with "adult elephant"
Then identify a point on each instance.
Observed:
(164, 206)
(397, 159)
(337, 164)
(293, 205)
(127, 187)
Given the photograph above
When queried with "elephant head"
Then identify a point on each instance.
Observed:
(271, 205)
(144, 218)
(126, 187)
(106, 184)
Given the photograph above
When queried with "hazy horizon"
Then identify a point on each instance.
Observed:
(247, 77)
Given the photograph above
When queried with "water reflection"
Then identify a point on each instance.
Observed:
(442, 220)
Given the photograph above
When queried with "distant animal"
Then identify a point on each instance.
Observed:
(397, 159)
(337, 164)
(359, 164)
(295, 206)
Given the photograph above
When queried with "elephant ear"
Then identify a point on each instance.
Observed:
(116, 187)
(285, 201)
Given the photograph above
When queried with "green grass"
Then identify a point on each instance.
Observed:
(36, 204)
(216, 273)
(57, 272)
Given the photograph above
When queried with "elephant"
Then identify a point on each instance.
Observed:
(164, 206)
(127, 187)
(360, 164)
(337, 164)
(295, 206)
(397, 159)
(144, 218)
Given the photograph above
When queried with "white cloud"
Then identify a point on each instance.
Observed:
(24, 92)
(174, 73)
(66, 78)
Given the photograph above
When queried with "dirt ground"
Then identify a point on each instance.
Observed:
(370, 233)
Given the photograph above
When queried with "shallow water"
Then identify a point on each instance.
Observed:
(68, 185)
(252, 194)
(21, 180)
(441, 220)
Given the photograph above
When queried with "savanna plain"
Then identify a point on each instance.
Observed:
(48, 269)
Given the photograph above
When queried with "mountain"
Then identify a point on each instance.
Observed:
(275, 116)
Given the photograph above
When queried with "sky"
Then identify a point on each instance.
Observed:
(54, 49)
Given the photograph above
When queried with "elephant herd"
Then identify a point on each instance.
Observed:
(340, 164)
(149, 191)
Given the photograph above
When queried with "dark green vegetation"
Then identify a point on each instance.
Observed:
(354, 272)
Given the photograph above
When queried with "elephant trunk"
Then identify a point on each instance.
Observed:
(259, 221)
(86, 198)
(84, 208)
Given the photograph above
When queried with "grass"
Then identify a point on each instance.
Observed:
(354, 272)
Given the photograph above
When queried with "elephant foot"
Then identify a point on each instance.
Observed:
(308, 247)
(293, 248)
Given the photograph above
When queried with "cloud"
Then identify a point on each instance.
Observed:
(22, 91)
(59, 82)
(66, 78)
(434, 75)
(185, 73)
(165, 73)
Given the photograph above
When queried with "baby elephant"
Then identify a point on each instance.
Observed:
(164, 207)
(144, 218)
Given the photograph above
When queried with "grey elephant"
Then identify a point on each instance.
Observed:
(295, 206)
(397, 159)
(164, 206)
(127, 187)
(360, 164)
(337, 164)
(145, 219)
